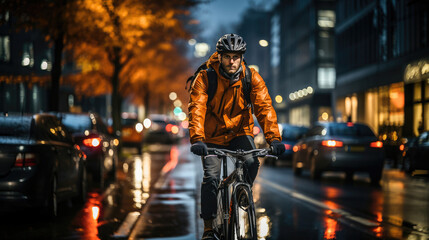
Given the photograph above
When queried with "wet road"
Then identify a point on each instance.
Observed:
(157, 196)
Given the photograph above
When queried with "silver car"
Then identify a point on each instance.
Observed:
(348, 147)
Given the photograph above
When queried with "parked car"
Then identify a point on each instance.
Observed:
(348, 147)
(39, 164)
(91, 134)
(132, 131)
(162, 130)
(290, 136)
(416, 153)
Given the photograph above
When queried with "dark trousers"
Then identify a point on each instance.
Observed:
(212, 167)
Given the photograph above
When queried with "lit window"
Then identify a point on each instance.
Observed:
(326, 77)
(27, 55)
(326, 19)
(4, 49)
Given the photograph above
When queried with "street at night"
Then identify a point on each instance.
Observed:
(157, 196)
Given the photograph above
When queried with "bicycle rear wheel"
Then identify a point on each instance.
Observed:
(243, 218)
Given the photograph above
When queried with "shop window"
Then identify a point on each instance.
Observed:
(417, 124)
(427, 89)
(326, 19)
(417, 92)
(326, 78)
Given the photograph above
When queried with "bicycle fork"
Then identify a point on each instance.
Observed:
(225, 199)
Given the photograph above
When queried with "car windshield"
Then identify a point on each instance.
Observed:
(76, 123)
(293, 132)
(350, 130)
(15, 126)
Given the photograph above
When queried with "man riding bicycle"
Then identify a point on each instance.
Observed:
(226, 121)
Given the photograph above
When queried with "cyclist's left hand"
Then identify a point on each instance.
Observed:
(277, 147)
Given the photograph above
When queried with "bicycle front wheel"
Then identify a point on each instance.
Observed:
(243, 218)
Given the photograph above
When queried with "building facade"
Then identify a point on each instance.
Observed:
(305, 74)
(382, 63)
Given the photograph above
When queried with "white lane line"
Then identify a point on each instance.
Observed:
(320, 204)
(127, 224)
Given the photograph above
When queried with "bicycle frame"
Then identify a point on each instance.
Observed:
(236, 180)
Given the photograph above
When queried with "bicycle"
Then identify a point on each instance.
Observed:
(236, 218)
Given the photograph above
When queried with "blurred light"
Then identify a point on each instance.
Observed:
(92, 142)
(325, 23)
(95, 212)
(279, 99)
(181, 116)
(175, 129)
(201, 49)
(325, 116)
(185, 124)
(177, 103)
(26, 61)
(292, 96)
(168, 127)
(177, 111)
(288, 146)
(295, 148)
(310, 90)
(377, 144)
(401, 147)
(264, 225)
(172, 96)
(256, 130)
(116, 142)
(332, 143)
(192, 42)
(44, 65)
(256, 67)
(147, 123)
(263, 43)
(139, 127)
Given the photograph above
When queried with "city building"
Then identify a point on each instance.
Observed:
(303, 60)
(382, 65)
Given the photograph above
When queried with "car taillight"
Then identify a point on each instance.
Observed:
(401, 147)
(332, 143)
(295, 148)
(256, 130)
(377, 144)
(168, 127)
(25, 160)
(92, 142)
(288, 146)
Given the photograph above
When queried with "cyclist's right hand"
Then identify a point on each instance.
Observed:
(277, 148)
(199, 148)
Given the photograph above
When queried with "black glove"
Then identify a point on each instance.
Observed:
(277, 148)
(199, 148)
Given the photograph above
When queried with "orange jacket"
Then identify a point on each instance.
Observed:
(227, 115)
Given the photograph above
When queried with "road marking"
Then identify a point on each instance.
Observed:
(127, 224)
(320, 204)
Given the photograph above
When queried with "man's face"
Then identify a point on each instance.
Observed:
(230, 62)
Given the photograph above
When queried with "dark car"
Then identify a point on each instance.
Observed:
(39, 163)
(348, 147)
(416, 153)
(162, 130)
(91, 134)
(132, 132)
(290, 136)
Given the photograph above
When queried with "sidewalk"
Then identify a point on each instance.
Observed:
(172, 210)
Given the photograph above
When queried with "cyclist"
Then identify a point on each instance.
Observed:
(227, 121)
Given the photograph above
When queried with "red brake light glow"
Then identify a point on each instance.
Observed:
(401, 147)
(25, 160)
(349, 124)
(377, 144)
(288, 146)
(92, 142)
(256, 130)
(295, 148)
(332, 143)
(168, 127)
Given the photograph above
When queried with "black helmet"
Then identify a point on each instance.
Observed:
(231, 43)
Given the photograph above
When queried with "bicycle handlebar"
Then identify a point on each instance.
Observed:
(263, 152)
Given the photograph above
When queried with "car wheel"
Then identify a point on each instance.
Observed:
(315, 173)
(50, 209)
(296, 170)
(375, 176)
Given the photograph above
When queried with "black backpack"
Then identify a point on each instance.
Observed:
(212, 80)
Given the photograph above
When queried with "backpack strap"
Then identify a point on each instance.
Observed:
(192, 78)
(212, 81)
(247, 87)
